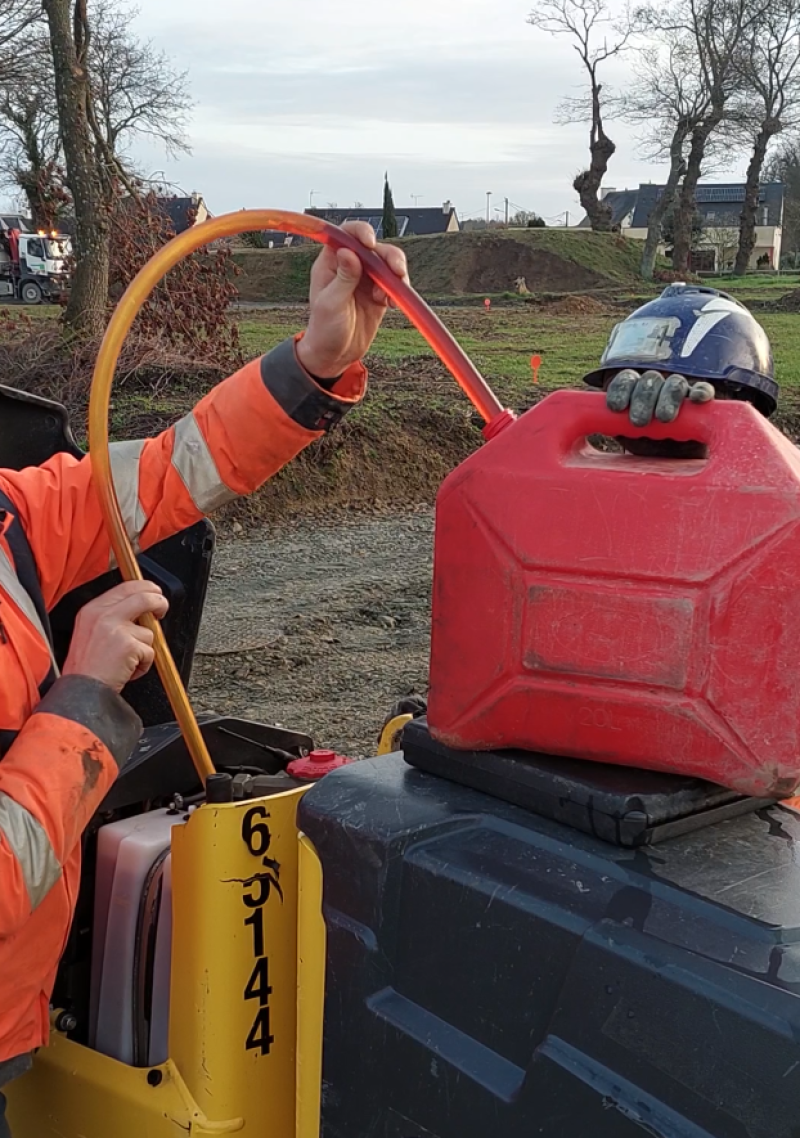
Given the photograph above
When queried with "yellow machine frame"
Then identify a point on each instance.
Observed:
(390, 735)
(246, 998)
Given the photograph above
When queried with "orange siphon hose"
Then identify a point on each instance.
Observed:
(140, 288)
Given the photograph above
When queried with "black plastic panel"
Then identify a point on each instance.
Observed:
(624, 805)
(493, 973)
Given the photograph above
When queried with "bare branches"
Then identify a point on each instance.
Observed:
(29, 134)
(17, 17)
(767, 102)
(596, 39)
(135, 88)
(705, 41)
(594, 34)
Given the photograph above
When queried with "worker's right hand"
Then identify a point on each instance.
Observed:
(107, 644)
(648, 394)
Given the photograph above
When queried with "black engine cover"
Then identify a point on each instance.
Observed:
(494, 974)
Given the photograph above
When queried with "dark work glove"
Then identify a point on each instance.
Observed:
(649, 394)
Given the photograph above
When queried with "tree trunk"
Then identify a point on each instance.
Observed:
(86, 308)
(588, 182)
(748, 219)
(677, 169)
(29, 184)
(687, 203)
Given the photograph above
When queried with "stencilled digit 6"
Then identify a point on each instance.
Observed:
(255, 832)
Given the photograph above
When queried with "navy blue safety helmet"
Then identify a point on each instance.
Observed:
(698, 332)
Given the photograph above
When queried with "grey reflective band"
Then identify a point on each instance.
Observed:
(31, 846)
(297, 394)
(195, 464)
(125, 458)
(11, 583)
(98, 708)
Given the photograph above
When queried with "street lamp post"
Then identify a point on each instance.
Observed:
(488, 206)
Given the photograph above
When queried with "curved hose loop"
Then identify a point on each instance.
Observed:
(138, 291)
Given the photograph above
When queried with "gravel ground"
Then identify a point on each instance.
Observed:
(319, 627)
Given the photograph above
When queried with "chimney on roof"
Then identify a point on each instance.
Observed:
(447, 208)
(195, 198)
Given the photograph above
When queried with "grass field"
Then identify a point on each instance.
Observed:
(502, 342)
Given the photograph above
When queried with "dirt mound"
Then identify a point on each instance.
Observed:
(467, 264)
(498, 262)
(574, 306)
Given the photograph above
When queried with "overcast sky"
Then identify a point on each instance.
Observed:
(454, 97)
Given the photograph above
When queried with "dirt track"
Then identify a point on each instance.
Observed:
(320, 628)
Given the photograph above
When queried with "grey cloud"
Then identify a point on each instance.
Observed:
(410, 89)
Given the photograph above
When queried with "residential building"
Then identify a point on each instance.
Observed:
(184, 211)
(278, 239)
(419, 222)
(719, 207)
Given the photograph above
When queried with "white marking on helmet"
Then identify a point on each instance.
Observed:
(702, 326)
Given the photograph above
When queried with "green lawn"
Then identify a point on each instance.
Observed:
(502, 343)
(755, 283)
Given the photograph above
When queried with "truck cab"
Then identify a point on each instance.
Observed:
(33, 266)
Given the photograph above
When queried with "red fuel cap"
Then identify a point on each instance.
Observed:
(317, 764)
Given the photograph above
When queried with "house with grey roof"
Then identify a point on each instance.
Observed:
(419, 222)
(719, 206)
(183, 212)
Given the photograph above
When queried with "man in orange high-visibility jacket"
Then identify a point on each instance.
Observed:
(63, 738)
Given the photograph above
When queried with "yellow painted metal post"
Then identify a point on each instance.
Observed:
(233, 1017)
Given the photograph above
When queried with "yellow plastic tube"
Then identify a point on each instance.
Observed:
(140, 288)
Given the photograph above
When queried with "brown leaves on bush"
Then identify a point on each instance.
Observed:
(14, 324)
(189, 310)
(43, 361)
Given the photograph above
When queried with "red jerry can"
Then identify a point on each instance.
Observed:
(637, 611)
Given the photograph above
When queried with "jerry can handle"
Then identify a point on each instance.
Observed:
(584, 413)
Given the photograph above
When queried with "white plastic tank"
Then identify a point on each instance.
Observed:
(132, 859)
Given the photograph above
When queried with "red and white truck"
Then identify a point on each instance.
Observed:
(34, 266)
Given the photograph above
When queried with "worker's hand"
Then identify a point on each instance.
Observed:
(649, 394)
(107, 643)
(346, 307)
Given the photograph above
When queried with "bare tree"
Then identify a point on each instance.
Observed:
(137, 92)
(109, 88)
(30, 141)
(70, 39)
(717, 31)
(587, 24)
(784, 166)
(666, 100)
(770, 101)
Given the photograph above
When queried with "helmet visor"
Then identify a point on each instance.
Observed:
(648, 339)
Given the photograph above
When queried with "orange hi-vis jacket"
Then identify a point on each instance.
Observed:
(64, 739)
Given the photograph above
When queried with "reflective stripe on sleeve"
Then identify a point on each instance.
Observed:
(125, 458)
(12, 585)
(195, 464)
(31, 846)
